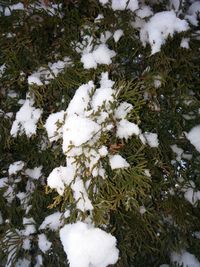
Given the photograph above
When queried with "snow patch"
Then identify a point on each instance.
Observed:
(87, 246)
(15, 167)
(159, 27)
(118, 162)
(43, 243)
(26, 119)
(194, 137)
(185, 259)
(152, 139)
(52, 222)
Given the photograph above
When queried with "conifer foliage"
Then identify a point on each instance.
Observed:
(100, 133)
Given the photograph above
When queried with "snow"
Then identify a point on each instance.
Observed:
(159, 27)
(192, 196)
(100, 16)
(8, 10)
(125, 4)
(157, 81)
(102, 96)
(88, 61)
(54, 132)
(152, 139)
(196, 234)
(52, 222)
(24, 199)
(190, 193)
(77, 131)
(59, 177)
(144, 11)
(12, 94)
(101, 55)
(87, 246)
(142, 210)
(117, 35)
(2, 69)
(103, 2)
(126, 129)
(185, 43)
(39, 261)
(50, 9)
(29, 225)
(175, 4)
(79, 103)
(43, 243)
(63, 176)
(123, 110)
(45, 75)
(118, 162)
(194, 137)
(26, 119)
(23, 263)
(9, 194)
(1, 218)
(15, 167)
(26, 244)
(34, 173)
(89, 115)
(185, 259)
(105, 36)
(178, 151)
(192, 14)
(80, 196)
(103, 151)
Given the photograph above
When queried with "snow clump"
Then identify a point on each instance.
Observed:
(194, 137)
(52, 222)
(122, 4)
(117, 35)
(193, 13)
(26, 119)
(185, 259)
(190, 193)
(87, 246)
(118, 162)
(100, 55)
(90, 115)
(43, 243)
(159, 27)
(152, 139)
(15, 167)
